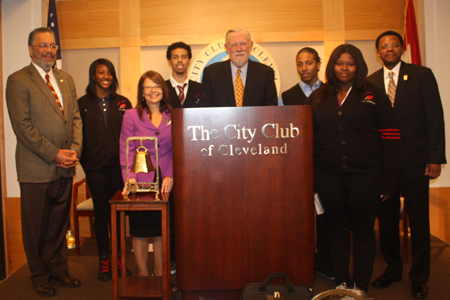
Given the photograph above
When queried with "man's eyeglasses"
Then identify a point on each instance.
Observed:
(393, 45)
(45, 46)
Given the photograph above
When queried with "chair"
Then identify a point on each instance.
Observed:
(82, 208)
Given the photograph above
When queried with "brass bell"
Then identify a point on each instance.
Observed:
(142, 162)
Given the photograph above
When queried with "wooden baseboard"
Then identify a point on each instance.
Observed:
(440, 213)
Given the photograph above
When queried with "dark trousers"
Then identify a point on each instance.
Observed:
(103, 184)
(45, 209)
(350, 202)
(417, 205)
(322, 257)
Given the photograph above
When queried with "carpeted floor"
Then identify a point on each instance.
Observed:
(85, 267)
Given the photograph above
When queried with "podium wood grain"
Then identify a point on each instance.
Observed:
(239, 218)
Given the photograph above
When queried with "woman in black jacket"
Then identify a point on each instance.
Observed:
(102, 111)
(356, 162)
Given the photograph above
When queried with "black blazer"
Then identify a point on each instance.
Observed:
(367, 126)
(419, 116)
(218, 90)
(101, 143)
(192, 97)
(294, 96)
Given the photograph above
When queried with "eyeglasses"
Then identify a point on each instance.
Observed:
(393, 45)
(156, 87)
(45, 46)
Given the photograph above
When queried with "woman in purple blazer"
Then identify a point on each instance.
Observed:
(150, 118)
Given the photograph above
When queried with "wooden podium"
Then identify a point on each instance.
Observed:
(243, 188)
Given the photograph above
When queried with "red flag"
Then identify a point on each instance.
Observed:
(410, 37)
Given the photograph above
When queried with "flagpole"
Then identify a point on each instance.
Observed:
(52, 23)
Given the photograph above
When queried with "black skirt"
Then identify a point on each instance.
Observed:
(148, 223)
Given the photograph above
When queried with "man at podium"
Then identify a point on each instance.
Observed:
(238, 81)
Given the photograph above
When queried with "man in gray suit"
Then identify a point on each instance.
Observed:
(42, 106)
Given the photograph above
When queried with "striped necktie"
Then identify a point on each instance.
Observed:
(47, 78)
(391, 88)
(238, 89)
(181, 94)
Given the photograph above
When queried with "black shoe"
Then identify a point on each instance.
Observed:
(119, 267)
(419, 291)
(104, 272)
(384, 281)
(65, 281)
(44, 288)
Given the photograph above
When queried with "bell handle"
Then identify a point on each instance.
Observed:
(141, 147)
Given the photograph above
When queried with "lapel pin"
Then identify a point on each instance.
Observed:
(62, 80)
(405, 77)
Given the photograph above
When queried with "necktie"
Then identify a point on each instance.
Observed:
(47, 77)
(238, 89)
(391, 88)
(181, 94)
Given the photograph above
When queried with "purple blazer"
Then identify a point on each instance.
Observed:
(132, 125)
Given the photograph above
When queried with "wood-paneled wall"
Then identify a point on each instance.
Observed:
(3, 194)
(130, 24)
(15, 254)
(97, 24)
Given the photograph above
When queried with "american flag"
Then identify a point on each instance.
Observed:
(52, 23)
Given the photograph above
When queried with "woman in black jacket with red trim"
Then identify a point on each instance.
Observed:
(356, 162)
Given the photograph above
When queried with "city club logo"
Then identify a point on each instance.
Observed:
(216, 52)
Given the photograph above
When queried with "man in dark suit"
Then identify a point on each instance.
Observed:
(183, 91)
(308, 67)
(253, 81)
(418, 112)
(46, 121)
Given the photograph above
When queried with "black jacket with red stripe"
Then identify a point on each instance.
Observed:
(359, 137)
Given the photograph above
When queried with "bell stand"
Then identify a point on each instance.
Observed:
(144, 186)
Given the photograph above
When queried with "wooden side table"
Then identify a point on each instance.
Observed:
(139, 286)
